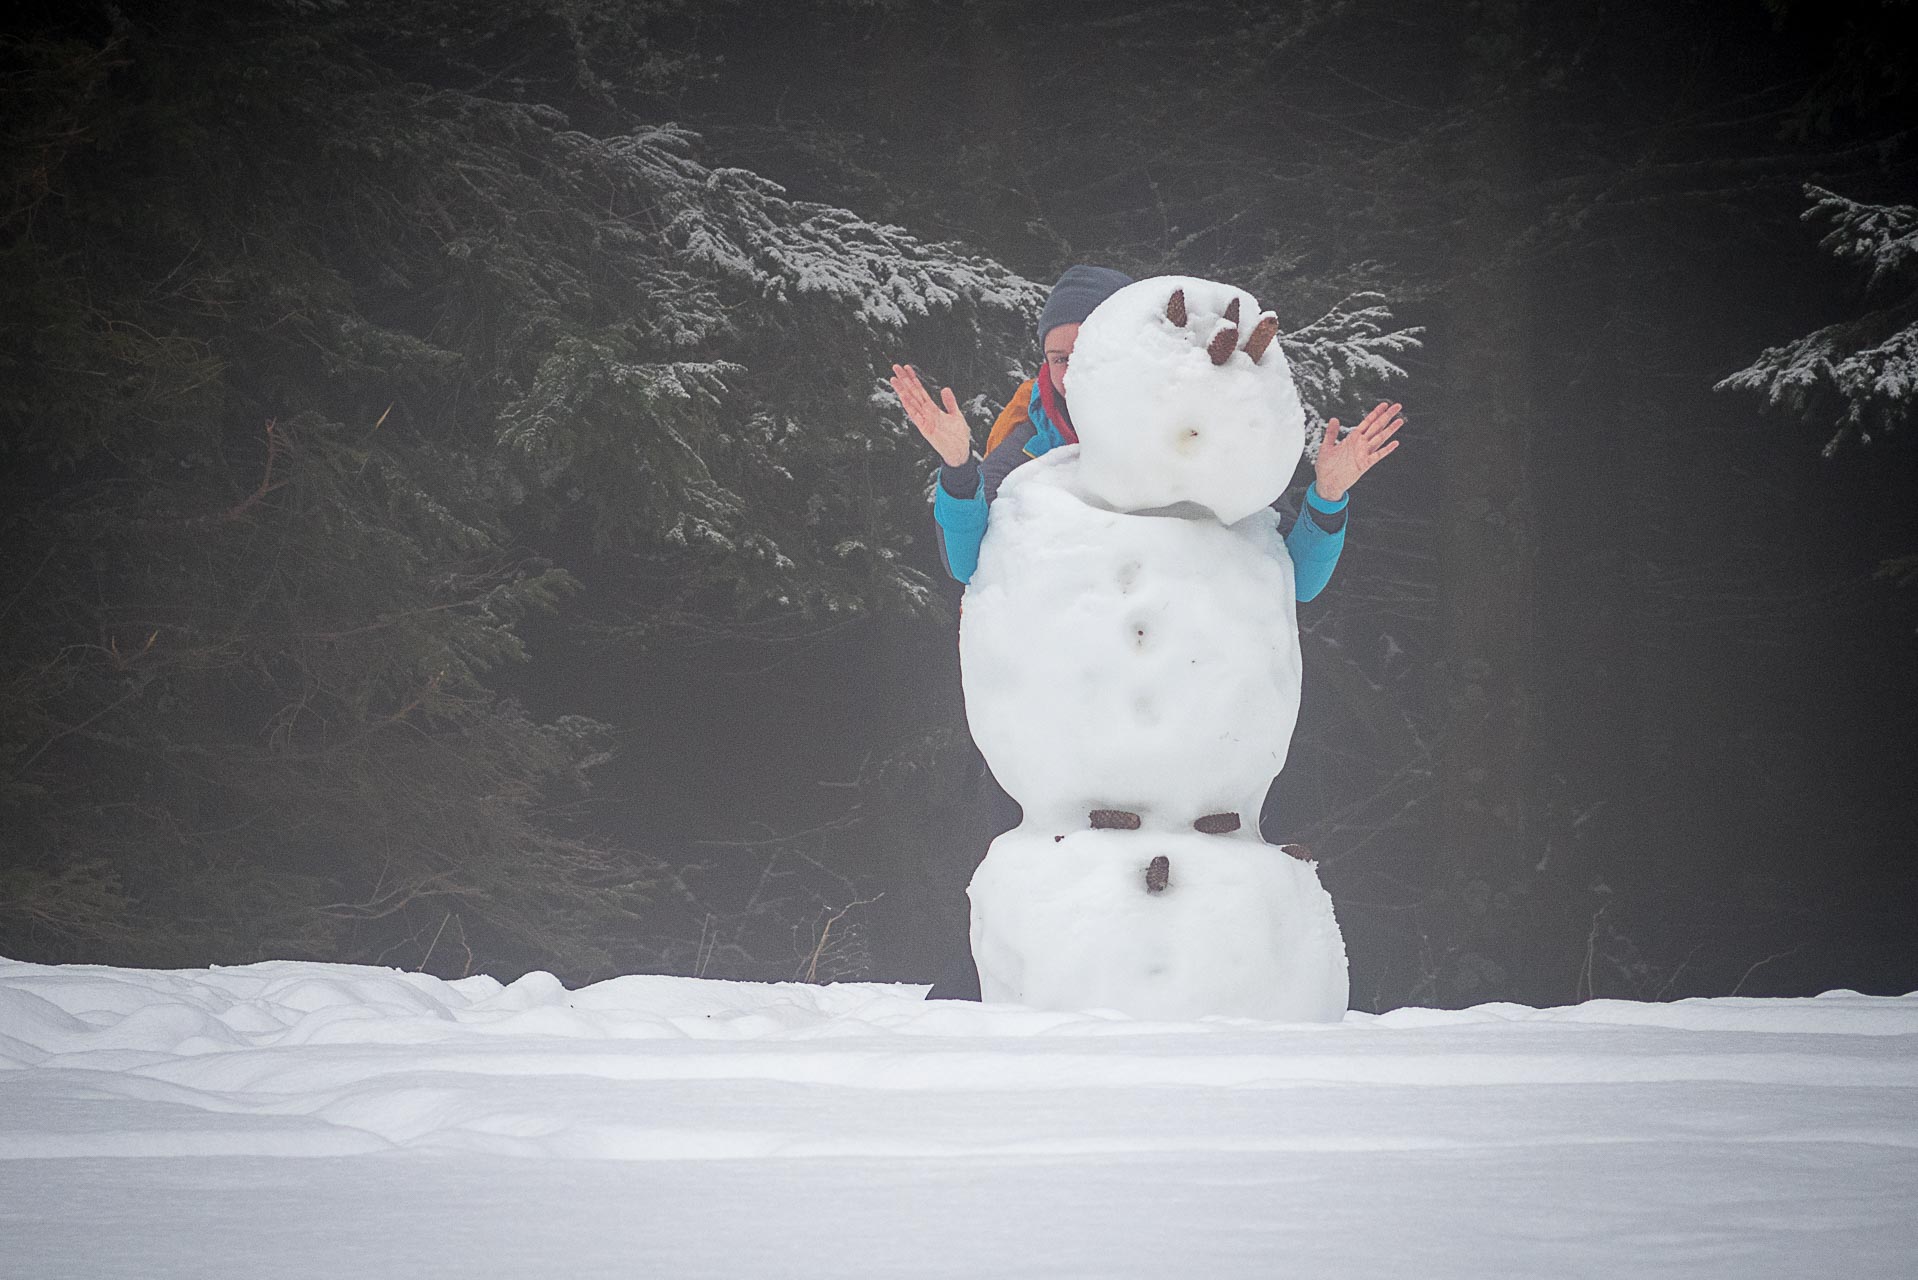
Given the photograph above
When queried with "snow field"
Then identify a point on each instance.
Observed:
(296, 1119)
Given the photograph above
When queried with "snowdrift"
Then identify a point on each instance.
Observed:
(293, 1119)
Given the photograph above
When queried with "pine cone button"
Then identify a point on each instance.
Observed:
(1157, 873)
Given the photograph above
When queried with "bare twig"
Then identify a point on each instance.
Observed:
(703, 952)
(1758, 964)
(267, 486)
(1584, 990)
(1675, 972)
(819, 948)
(434, 943)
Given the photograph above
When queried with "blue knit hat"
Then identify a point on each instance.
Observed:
(1079, 290)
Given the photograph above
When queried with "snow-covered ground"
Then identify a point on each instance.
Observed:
(321, 1120)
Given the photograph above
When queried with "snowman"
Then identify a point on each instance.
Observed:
(1130, 655)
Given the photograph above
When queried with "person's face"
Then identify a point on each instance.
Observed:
(1058, 347)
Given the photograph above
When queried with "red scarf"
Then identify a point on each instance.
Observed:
(1053, 401)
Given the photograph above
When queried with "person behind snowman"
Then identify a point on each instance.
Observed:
(1037, 420)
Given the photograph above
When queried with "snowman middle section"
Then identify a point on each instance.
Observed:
(1132, 661)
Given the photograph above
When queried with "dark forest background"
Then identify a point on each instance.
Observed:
(454, 519)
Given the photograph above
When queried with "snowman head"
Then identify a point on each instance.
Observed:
(1180, 395)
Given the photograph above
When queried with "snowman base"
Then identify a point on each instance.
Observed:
(1156, 924)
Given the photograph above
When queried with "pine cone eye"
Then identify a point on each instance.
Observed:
(1268, 329)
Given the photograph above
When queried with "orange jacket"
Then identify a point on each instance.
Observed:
(1011, 416)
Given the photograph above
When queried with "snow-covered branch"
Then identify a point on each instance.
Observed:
(1347, 349)
(1858, 375)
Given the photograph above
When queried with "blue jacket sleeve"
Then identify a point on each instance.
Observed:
(1316, 539)
(962, 495)
(962, 521)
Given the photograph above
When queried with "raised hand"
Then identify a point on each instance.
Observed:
(1342, 462)
(943, 426)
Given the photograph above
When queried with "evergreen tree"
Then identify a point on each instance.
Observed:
(335, 344)
(1857, 377)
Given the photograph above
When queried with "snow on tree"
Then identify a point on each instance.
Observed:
(1345, 351)
(1857, 376)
